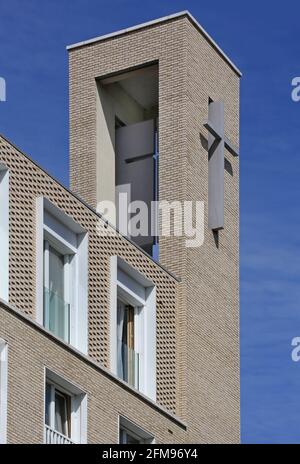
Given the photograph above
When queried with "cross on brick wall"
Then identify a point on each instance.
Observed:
(217, 142)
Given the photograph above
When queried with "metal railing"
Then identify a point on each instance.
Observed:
(55, 438)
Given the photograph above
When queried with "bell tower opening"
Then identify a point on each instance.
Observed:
(127, 150)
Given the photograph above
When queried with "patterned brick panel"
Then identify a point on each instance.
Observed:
(207, 331)
(213, 271)
(27, 183)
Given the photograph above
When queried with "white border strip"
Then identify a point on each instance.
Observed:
(152, 23)
(3, 391)
(4, 232)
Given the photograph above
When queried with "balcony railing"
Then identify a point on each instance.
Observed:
(55, 438)
(128, 364)
(56, 315)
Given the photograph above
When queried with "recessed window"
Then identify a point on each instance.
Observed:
(62, 275)
(131, 434)
(58, 410)
(57, 289)
(133, 328)
(65, 412)
(3, 391)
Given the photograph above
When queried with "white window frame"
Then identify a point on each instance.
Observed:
(3, 391)
(139, 292)
(78, 406)
(126, 426)
(67, 237)
(4, 233)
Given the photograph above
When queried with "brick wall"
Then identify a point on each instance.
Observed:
(190, 71)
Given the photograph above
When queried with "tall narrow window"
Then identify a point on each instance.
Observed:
(3, 390)
(57, 289)
(127, 151)
(133, 328)
(65, 412)
(58, 410)
(62, 275)
(128, 365)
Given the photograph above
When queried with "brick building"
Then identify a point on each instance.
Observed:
(106, 338)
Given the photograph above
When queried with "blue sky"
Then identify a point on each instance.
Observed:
(262, 38)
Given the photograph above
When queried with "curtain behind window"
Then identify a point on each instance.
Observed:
(120, 324)
(62, 414)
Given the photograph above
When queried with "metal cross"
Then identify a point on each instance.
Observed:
(217, 142)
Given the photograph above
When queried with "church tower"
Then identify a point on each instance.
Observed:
(154, 113)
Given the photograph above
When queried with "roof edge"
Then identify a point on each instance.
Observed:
(153, 23)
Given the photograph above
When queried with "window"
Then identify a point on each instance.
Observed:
(128, 358)
(58, 410)
(3, 390)
(131, 434)
(62, 275)
(133, 328)
(4, 232)
(65, 412)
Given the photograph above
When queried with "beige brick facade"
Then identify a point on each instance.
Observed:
(198, 316)
(191, 71)
(27, 183)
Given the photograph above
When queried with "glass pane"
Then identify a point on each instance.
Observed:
(132, 440)
(56, 309)
(56, 315)
(127, 357)
(127, 438)
(62, 416)
(47, 404)
(56, 272)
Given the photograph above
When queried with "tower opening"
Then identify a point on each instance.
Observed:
(128, 155)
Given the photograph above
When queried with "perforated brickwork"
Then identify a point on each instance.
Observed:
(27, 182)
